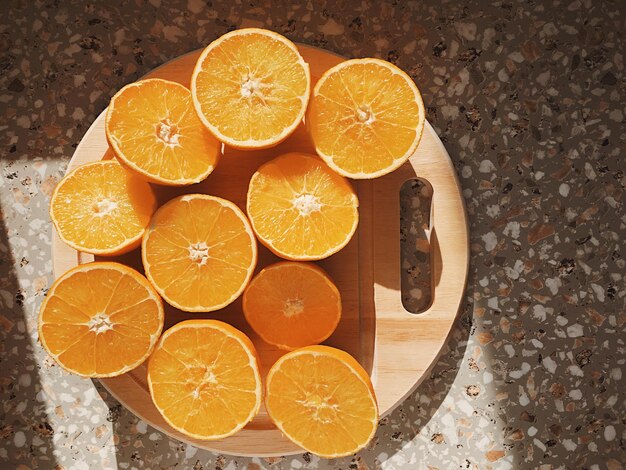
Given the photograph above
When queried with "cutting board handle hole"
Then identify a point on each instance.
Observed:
(415, 245)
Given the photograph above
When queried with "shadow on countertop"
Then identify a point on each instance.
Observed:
(23, 418)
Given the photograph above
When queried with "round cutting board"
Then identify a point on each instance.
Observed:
(396, 347)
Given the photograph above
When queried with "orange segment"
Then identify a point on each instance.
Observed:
(366, 117)
(199, 252)
(100, 320)
(101, 208)
(251, 87)
(291, 304)
(301, 209)
(204, 379)
(153, 129)
(323, 400)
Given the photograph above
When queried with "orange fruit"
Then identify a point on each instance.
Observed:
(301, 209)
(101, 208)
(291, 304)
(153, 130)
(204, 379)
(366, 118)
(251, 87)
(100, 319)
(323, 400)
(199, 252)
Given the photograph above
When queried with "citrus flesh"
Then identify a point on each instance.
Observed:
(292, 304)
(100, 319)
(366, 118)
(101, 208)
(251, 88)
(301, 209)
(323, 400)
(153, 129)
(199, 252)
(204, 379)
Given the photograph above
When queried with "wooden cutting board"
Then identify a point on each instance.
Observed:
(396, 347)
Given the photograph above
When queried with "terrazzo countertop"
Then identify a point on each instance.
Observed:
(528, 98)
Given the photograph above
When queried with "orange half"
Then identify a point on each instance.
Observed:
(291, 305)
(323, 400)
(153, 129)
(366, 118)
(199, 252)
(301, 209)
(204, 379)
(251, 87)
(100, 319)
(101, 208)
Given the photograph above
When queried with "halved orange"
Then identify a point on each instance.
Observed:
(292, 304)
(251, 87)
(199, 252)
(366, 118)
(101, 208)
(301, 209)
(100, 319)
(153, 129)
(204, 379)
(323, 400)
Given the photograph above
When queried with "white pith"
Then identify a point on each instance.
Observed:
(307, 203)
(100, 323)
(104, 207)
(199, 253)
(168, 132)
(293, 307)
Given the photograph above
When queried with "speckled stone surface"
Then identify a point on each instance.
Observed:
(528, 98)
